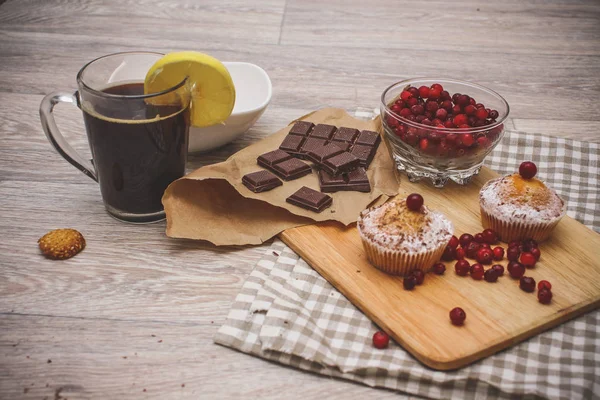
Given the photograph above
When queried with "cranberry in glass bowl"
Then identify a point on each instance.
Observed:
(441, 129)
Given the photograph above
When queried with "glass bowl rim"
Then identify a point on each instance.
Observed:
(438, 129)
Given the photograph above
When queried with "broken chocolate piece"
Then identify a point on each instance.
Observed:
(292, 144)
(323, 131)
(310, 199)
(344, 134)
(291, 169)
(302, 128)
(356, 180)
(368, 138)
(271, 158)
(320, 154)
(343, 162)
(364, 153)
(261, 181)
(311, 144)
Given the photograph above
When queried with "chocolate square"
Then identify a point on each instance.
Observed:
(364, 153)
(323, 131)
(261, 181)
(320, 154)
(273, 157)
(291, 169)
(302, 128)
(356, 180)
(344, 134)
(310, 199)
(346, 146)
(343, 162)
(368, 138)
(292, 144)
(311, 144)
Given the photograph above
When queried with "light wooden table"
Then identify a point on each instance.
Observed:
(133, 316)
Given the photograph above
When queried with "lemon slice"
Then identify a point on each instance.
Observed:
(212, 90)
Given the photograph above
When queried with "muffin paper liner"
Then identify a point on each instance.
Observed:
(518, 230)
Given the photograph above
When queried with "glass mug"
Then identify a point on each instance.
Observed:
(138, 141)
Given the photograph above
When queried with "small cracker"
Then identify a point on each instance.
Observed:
(61, 244)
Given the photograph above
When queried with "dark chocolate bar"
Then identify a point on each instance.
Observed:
(292, 144)
(311, 144)
(302, 128)
(343, 162)
(291, 169)
(261, 181)
(364, 153)
(356, 180)
(271, 158)
(310, 199)
(320, 154)
(344, 134)
(323, 131)
(368, 138)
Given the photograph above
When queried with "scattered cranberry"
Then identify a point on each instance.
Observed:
(381, 340)
(484, 256)
(498, 253)
(460, 253)
(527, 284)
(527, 169)
(462, 267)
(439, 268)
(529, 244)
(499, 269)
(453, 242)
(414, 202)
(536, 253)
(477, 271)
(478, 238)
(544, 285)
(515, 243)
(472, 249)
(485, 246)
(490, 275)
(544, 296)
(493, 114)
(419, 276)
(457, 316)
(409, 282)
(449, 254)
(489, 236)
(465, 239)
(528, 260)
(513, 253)
(516, 269)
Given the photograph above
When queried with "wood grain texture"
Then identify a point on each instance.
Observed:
(498, 315)
(131, 282)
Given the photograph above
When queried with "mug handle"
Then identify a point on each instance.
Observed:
(56, 138)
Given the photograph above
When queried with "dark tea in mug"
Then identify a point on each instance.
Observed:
(136, 157)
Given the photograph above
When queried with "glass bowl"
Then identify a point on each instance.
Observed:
(438, 152)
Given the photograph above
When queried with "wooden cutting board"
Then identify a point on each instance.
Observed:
(498, 314)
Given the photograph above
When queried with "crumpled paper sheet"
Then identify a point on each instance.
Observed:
(212, 204)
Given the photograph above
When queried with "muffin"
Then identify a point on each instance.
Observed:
(403, 235)
(519, 206)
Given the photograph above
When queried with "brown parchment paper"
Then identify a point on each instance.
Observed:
(212, 204)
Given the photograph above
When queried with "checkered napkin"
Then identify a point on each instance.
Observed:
(286, 312)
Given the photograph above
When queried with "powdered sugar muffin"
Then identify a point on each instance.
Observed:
(404, 235)
(519, 206)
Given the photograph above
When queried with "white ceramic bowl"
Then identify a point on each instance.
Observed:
(252, 96)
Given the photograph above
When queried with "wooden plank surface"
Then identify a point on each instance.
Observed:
(498, 315)
(131, 282)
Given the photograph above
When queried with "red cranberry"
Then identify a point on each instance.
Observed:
(413, 101)
(489, 236)
(449, 124)
(405, 112)
(411, 117)
(543, 284)
(490, 275)
(470, 110)
(409, 282)
(472, 101)
(513, 253)
(477, 271)
(419, 276)
(439, 268)
(499, 269)
(455, 97)
(462, 267)
(441, 114)
(484, 246)
(493, 114)
(482, 114)
(405, 95)
(435, 94)
(424, 92)
(457, 316)
(484, 256)
(465, 239)
(381, 340)
(417, 109)
(460, 253)
(527, 284)
(431, 106)
(419, 118)
(527, 259)
(453, 242)
(516, 269)
(478, 238)
(466, 139)
(460, 119)
(456, 109)
(444, 95)
(472, 249)
(527, 170)
(446, 105)
(449, 254)
(544, 296)
(414, 91)
(463, 100)
(414, 202)
(437, 86)
(529, 244)
(479, 105)
(514, 243)
(498, 253)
